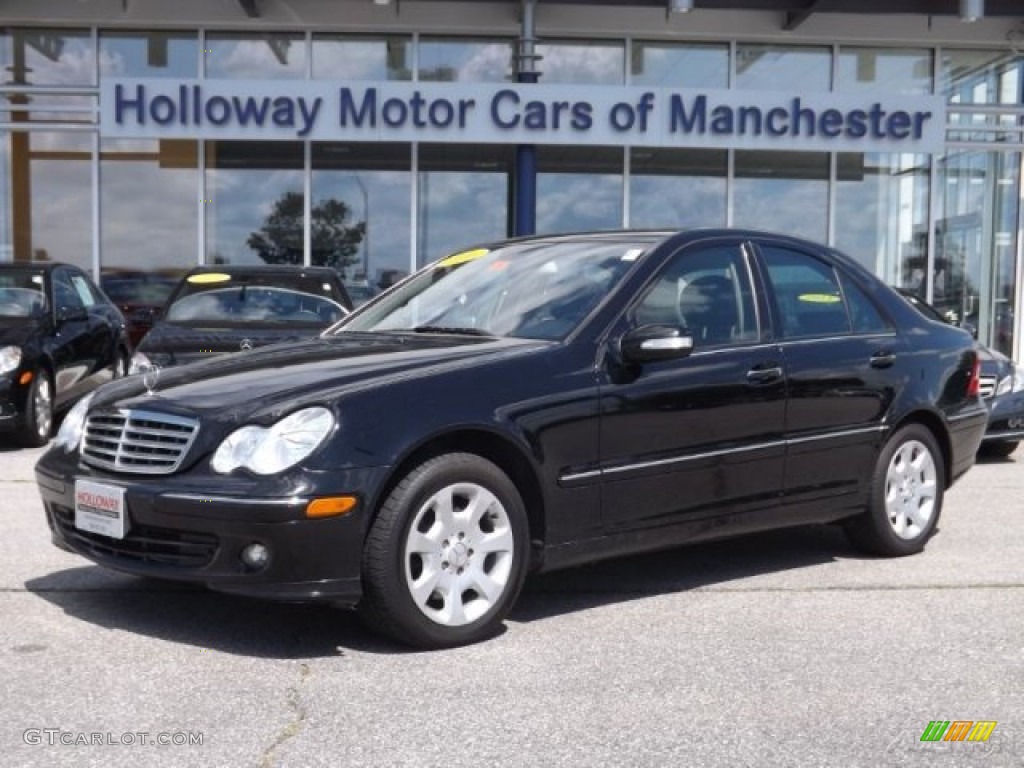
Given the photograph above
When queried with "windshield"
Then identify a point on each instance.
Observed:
(22, 293)
(534, 290)
(224, 299)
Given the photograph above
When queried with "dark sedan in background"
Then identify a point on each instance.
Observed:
(1002, 389)
(228, 308)
(533, 404)
(60, 338)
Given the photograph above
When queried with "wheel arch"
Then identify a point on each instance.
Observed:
(496, 448)
(934, 424)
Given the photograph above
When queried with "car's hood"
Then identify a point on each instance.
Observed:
(173, 344)
(243, 385)
(17, 331)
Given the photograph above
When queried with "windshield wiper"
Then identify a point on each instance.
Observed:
(450, 329)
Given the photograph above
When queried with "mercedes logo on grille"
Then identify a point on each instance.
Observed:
(246, 344)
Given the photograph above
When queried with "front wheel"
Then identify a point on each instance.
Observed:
(905, 498)
(446, 556)
(38, 423)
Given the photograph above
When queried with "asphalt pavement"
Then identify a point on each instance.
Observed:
(784, 649)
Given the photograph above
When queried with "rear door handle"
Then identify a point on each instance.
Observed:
(883, 359)
(764, 375)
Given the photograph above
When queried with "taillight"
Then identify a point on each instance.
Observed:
(974, 383)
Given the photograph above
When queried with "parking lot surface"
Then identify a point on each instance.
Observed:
(781, 649)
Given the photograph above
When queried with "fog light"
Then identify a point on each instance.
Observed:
(255, 556)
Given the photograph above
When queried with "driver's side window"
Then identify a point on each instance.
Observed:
(706, 290)
(65, 294)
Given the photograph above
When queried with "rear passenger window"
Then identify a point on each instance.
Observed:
(807, 292)
(863, 313)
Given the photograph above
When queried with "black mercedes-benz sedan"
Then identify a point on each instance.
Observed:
(60, 338)
(214, 310)
(529, 405)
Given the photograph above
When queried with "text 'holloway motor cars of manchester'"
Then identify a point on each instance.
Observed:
(523, 406)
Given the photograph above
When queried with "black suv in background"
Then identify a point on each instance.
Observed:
(60, 338)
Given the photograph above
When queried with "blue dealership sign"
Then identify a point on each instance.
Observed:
(520, 113)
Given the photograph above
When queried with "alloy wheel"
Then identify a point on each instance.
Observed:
(911, 489)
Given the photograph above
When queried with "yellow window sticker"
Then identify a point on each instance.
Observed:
(819, 298)
(209, 277)
(462, 257)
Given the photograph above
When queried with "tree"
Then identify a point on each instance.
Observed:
(334, 243)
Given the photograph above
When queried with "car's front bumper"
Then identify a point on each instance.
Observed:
(177, 532)
(12, 404)
(1006, 418)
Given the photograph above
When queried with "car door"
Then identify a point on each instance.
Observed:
(843, 360)
(105, 326)
(699, 437)
(72, 346)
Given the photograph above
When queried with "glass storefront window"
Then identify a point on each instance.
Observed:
(344, 57)
(254, 202)
(466, 61)
(884, 69)
(149, 54)
(976, 230)
(149, 217)
(593, 63)
(463, 196)
(265, 56)
(676, 188)
(50, 197)
(681, 66)
(783, 192)
(38, 56)
(6, 228)
(882, 215)
(361, 223)
(982, 77)
(793, 69)
(579, 188)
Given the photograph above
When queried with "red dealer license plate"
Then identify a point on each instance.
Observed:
(99, 508)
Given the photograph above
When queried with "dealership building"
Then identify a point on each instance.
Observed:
(143, 137)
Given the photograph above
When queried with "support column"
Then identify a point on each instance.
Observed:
(524, 204)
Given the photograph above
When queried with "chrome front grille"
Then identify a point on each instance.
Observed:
(986, 386)
(144, 442)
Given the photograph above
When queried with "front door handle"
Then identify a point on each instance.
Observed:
(883, 359)
(764, 375)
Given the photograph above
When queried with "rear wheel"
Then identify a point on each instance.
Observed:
(906, 496)
(446, 557)
(38, 424)
(998, 450)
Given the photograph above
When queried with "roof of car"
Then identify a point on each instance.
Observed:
(262, 269)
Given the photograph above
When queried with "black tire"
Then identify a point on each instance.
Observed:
(38, 424)
(876, 530)
(460, 560)
(1000, 449)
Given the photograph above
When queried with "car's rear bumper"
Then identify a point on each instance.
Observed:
(966, 430)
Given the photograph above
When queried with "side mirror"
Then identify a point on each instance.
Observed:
(71, 314)
(650, 343)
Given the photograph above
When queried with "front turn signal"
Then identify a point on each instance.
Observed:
(332, 506)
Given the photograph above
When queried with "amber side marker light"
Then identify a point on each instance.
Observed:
(332, 506)
(25, 378)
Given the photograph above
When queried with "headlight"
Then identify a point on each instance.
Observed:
(10, 359)
(267, 451)
(140, 363)
(70, 433)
